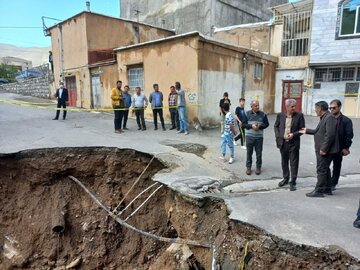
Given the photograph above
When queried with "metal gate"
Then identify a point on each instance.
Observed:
(293, 90)
(95, 88)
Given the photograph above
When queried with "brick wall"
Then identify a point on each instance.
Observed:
(36, 87)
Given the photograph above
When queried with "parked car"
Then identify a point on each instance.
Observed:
(3, 81)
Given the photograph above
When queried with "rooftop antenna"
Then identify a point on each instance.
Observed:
(88, 6)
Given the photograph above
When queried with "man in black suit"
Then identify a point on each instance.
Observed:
(326, 144)
(287, 126)
(345, 136)
(62, 95)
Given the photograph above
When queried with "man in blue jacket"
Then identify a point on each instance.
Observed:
(156, 101)
(256, 122)
(127, 97)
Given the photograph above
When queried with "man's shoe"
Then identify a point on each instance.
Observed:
(117, 131)
(180, 131)
(139, 128)
(356, 223)
(143, 129)
(283, 182)
(258, 171)
(231, 160)
(164, 128)
(328, 191)
(64, 118)
(172, 128)
(235, 143)
(186, 132)
(155, 128)
(315, 194)
(248, 171)
(292, 187)
(55, 118)
(333, 188)
(125, 128)
(243, 147)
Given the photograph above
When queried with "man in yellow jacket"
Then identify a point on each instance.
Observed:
(118, 103)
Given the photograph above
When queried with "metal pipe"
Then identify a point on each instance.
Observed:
(141, 205)
(59, 211)
(123, 223)
(61, 53)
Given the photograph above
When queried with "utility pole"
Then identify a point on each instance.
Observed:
(137, 13)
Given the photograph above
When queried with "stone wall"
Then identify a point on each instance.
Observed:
(36, 87)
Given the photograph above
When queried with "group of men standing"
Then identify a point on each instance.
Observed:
(122, 102)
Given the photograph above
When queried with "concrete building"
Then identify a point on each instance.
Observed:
(85, 42)
(335, 53)
(20, 63)
(286, 36)
(205, 67)
(197, 15)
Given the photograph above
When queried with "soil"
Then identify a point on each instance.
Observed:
(36, 194)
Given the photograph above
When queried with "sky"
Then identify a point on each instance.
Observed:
(19, 14)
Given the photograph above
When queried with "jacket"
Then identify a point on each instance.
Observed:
(325, 134)
(152, 100)
(345, 132)
(64, 97)
(117, 97)
(297, 123)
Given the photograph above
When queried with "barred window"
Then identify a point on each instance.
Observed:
(135, 77)
(336, 74)
(258, 71)
(296, 34)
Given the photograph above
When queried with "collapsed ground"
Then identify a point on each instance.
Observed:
(36, 194)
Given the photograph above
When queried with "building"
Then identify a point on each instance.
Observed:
(206, 69)
(83, 43)
(21, 64)
(287, 37)
(197, 15)
(335, 53)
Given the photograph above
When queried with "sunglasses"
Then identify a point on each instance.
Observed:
(332, 108)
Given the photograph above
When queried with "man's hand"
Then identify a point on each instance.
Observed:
(322, 153)
(290, 136)
(255, 126)
(302, 131)
(345, 152)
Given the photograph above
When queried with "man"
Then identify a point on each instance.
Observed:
(156, 100)
(286, 127)
(224, 100)
(229, 131)
(51, 61)
(357, 220)
(118, 103)
(256, 122)
(173, 109)
(326, 144)
(62, 96)
(345, 135)
(139, 103)
(127, 97)
(181, 109)
(240, 116)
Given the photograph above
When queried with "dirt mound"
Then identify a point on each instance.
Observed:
(36, 195)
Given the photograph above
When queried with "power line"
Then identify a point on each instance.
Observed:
(20, 27)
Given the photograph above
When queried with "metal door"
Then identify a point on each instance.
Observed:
(293, 90)
(71, 86)
(95, 87)
(351, 99)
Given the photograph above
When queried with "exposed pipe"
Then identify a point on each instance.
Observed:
(130, 203)
(58, 213)
(141, 205)
(243, 86)
(137, 180)
(123, 223)
(61, 53)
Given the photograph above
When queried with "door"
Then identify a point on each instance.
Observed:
(351, 99)
(293, 90)
(95, 88)
(71, 86)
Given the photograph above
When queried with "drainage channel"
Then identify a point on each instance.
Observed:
(56, 193)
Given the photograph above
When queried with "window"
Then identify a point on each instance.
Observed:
(358, 74)
(296, 34)
(258, 70)
(350, 18)
(336, 74)
(135, 77)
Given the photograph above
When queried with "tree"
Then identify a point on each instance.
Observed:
(8, 72)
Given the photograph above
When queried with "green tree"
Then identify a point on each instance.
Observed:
(8, 72)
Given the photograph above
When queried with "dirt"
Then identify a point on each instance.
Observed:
(36, 193)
